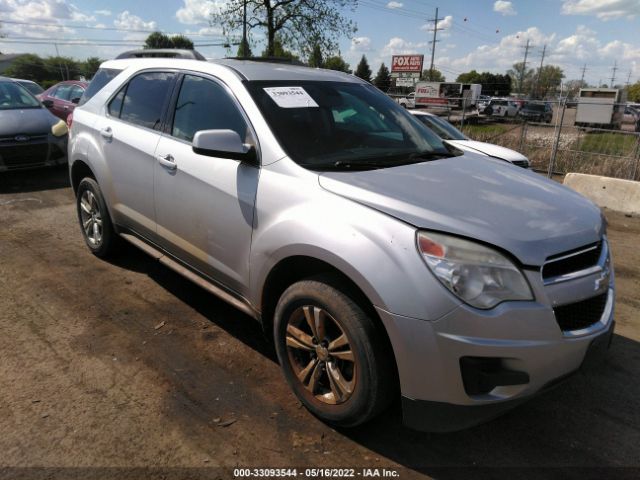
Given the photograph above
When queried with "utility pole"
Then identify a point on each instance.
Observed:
(584, 70)
(433, 42)
(613, 72)
(244, 29)
(628, 78)
(59, 64)
(535, 88)
(524, 65)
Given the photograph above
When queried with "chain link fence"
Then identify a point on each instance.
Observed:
(559, 141)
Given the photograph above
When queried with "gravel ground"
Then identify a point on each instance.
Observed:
(123, 369)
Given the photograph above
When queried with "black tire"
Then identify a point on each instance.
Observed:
(373, 368)
(107, 243)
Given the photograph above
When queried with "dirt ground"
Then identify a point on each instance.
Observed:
(125, 370)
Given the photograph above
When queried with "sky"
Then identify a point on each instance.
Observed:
(485, 35)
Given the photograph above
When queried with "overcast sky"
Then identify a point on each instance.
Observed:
(477, 34)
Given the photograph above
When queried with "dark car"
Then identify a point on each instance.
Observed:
(32, 86)
(30, 136)
(63, 97)
(536, 112)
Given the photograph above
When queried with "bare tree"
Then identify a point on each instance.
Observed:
(298, 24)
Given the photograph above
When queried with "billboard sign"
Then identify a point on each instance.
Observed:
(407, 63)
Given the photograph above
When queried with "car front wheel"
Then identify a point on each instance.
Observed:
(332, 353)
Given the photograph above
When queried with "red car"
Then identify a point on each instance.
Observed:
(63, 97)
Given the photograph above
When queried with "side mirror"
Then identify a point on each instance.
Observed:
(75, 100)
(48, 103)
(224, 144)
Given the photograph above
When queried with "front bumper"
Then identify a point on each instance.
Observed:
(524, 337)
(41, 151)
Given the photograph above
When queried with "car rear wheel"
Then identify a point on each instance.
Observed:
(95, 222)
(332, 353)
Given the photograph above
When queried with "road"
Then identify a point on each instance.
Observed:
(123, 369)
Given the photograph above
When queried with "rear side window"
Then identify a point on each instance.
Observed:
(100, 79)
(63, 92)
(205, 105)
(143, 99)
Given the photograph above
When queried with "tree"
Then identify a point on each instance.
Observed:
(363, 70)
(299, 24)
(180, 41)
(574, 86)
(492, 84)
(244, 50)
(62, 68)
(633, 94)
(336, 62)
(521, 77)
(90, 66)
(158, 40)
(29, 67)
(548, 80)
(383, 78)
(280, 52)
(432, 76)
(315, 59)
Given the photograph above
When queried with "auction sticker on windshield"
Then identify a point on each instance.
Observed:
(290, 97)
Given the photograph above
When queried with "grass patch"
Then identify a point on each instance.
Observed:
(481, 131)
(607, 144)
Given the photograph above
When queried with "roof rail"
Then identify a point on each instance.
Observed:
(290, 61)
(162, 53)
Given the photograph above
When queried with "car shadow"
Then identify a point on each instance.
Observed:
(590, 422)
(24, 181)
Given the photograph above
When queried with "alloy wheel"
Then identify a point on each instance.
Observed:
(91, 218)
(321, 354)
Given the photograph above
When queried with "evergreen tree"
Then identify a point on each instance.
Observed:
(383, 78)
(363, 70)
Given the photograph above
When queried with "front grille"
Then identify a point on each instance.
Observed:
(573, 261)
(579, 315)
(521, 163)
(20, 156)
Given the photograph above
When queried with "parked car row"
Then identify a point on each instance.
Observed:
(30, 136)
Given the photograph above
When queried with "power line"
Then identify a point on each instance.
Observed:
(111, 29)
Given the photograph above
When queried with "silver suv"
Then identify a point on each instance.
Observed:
(381, 261)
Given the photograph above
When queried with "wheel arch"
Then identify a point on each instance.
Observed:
(80, 170)
(295, 268)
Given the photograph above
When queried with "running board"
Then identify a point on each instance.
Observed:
(195, 278)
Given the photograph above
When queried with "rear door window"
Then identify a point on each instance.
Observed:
(63, 92)
(144, 99)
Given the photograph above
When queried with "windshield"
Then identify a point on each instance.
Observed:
(13, 96)
(536, 107)
(325, 124)
(441, 127)
(34, 88)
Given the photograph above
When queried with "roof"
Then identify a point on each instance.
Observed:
(245, 69)
(422, 112)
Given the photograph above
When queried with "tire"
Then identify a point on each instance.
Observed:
(95, 222)
(363, 386)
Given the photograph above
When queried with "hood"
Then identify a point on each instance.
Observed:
(489, 149)
(29, 121)
(480, 198)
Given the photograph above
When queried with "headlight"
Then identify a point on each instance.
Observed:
(480, 276)
(59, 129)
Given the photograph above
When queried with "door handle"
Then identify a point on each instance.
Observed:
(167, 161)
(107, 133)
